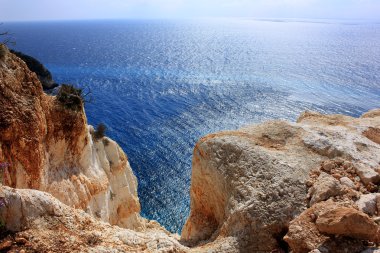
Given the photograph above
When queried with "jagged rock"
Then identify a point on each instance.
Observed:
(347, 182)
(325, 187)
(50, 226)
(250, 183)
(5, 245)
(347, 221)
(304, 236)
(371, 114)
(367, 175)
(368, 203)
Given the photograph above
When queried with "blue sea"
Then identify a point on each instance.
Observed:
(159, 85)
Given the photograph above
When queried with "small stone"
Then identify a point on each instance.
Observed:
(377, 220)
(21, 240)
(367, 203)
(378, 203)
(367, 175)
(336, 176)
(325, 187)
(347, 182)
(347, 165)
(328, 165)
(5, 245)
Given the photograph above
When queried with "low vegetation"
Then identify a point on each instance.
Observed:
(70, 97)
(100, 131)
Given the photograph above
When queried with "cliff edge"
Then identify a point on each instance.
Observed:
(251, 183)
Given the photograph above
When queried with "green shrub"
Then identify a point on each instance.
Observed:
(100, 131)
(70, 97)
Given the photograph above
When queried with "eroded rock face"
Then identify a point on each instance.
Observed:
(249, 184)
(47, 225)
(50, 148)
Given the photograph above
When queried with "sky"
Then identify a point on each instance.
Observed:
(27, 10)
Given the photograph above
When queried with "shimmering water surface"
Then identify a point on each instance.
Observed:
(161, 85)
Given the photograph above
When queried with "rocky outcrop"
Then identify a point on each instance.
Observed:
(251, 183)
(43, 224)
(50, 148)
(345, 222)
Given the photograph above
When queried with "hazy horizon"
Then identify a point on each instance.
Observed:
(44, 10)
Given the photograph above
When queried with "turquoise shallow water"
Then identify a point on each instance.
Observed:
(161, 85)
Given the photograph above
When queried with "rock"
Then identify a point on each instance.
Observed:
(21, 240)
(371, 250)
(244, 190)
(250, 183)
(371, 114)
(346, 221)
(303, 235)
(56, 227)
(347, 182)
(378, 203)
(367, 175)
(368, 203)
(328, 165)
(57, 153)
(5, 245)
(373, 133)
(325, 187)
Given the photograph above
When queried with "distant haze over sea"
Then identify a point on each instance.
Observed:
(161, 85)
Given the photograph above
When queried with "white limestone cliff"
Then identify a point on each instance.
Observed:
(51, 148)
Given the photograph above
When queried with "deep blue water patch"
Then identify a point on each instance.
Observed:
(161, 85)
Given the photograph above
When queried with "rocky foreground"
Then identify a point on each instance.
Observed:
(309, 186)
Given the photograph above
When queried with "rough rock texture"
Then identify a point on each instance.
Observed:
(325, 187)
(50, 148)
(304, 235)
(250, 183)
(339, 224)
(44, 224)
(347, 221)
(368, 203)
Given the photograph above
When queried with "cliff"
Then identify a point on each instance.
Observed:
(251, 183)
(50, 148)
(308, 186)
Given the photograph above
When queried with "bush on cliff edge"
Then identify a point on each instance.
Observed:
(70, 97)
